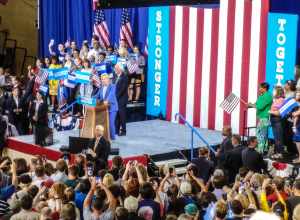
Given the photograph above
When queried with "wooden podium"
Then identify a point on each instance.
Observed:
(95, 116)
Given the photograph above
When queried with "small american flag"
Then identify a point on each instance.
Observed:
(100, 28)
(125, 30)
(41, 76)
(132, 66)
(230, 103)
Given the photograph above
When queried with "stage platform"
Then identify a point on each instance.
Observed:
(153, 137)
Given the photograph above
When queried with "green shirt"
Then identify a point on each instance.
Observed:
(263, 105)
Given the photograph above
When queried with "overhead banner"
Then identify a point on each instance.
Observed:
(158, 60)
(281, 49)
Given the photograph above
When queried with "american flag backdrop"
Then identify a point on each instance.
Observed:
(100, 28)
(125, 29)
(215, 52)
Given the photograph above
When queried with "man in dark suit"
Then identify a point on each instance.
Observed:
(28, 95)
(225, 146)
(251, 158)
(233, 158)
(100, 147)
(121, 82)
(205, 166)
(15, 109)
(38, 115)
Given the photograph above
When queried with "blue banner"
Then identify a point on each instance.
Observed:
(111, 59)
(158, 60)
(281, 48)
(87, 101)
(58, 74)
(83, 76)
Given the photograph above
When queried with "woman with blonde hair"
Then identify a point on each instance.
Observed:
(56, 196)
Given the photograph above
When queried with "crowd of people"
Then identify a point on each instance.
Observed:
(234, 184)
(115, 77)
(280, 111)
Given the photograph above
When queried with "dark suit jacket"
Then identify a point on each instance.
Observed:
(11, 105)
(205, 167)
(122, 90)
(233, 161)
(226, 145)
(102, 150)
(28, 95)
(253, 160)
(42, 116)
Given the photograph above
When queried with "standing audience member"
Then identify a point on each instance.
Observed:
(26, 212)
(204, 165)
(3, 127)
(263, 106)
(233, 158)
(276, 122)
(251, 158)
(38, 115)
(16, 110)
(296, 128)
(287, 124)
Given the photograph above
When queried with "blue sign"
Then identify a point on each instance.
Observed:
(83, 76)
(281, 48)
(87, 101)
(158, 60)
(58, 74)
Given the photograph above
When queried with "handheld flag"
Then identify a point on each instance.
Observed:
(288, 105)
(230, 103)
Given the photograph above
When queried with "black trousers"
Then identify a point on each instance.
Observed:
(40, 134)
(121, 120)
(288, 136)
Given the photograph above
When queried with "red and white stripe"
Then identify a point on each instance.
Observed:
(214, 52)
(101, 30)
(126, 34)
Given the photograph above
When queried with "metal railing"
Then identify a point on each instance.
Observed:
(196, 132)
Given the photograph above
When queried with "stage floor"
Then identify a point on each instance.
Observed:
(151, 137)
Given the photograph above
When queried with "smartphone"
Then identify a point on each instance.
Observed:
(98, 179)
(90, 170)
(171, 170)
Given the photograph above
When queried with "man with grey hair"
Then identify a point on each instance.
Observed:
(121, 82)
(100, 147)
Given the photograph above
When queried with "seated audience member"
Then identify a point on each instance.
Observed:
(204, 165)
(251, 158)
(26, 211)
(60, 174)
